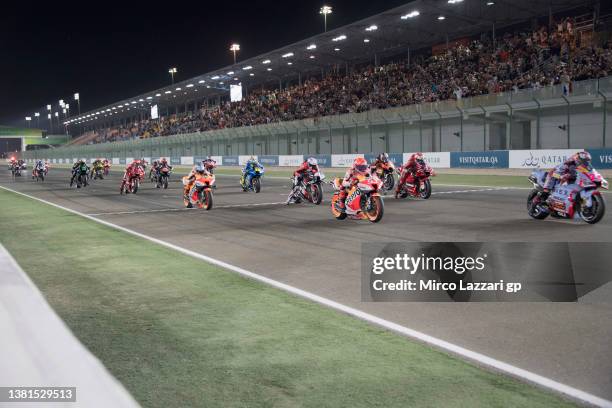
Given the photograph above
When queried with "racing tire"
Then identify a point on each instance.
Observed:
(389, 182)
(426, 192)
(339, 215)
(377, 210)
(256, 183)
(316, 193)
(600, 209)
(536, 213)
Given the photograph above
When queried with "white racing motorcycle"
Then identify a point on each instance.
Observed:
(580, 199)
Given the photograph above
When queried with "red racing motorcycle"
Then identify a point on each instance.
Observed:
(417, 185)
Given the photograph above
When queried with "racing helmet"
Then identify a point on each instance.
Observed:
(360, 165)
(200, 169)
(418, 157)
(312, 162)
(583, 157)
(383, 157)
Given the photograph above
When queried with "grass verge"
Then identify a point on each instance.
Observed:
(179, 332)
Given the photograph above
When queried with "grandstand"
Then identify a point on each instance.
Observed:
(505, 75)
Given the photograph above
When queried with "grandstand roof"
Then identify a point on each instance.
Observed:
(414, 26)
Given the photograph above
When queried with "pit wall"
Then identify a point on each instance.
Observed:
(496, 159)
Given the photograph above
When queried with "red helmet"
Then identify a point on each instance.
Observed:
(360, 165)
(417, 156)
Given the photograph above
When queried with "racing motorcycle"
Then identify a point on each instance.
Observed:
(363, 198)
(419, 185)
(38, 174)
(80, 176)
(16, 170)
(97, 173)
(384, 171)
(130, 185)
(255, 173)
(200, 195)
(580, 199)
(309, 189)
(161, 180)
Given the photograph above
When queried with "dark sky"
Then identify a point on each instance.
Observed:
(108, 52)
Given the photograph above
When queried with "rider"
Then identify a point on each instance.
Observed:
(409, 169)
(154, 166)
(133, 170)
(196, 170)
(309, 165)
(209, 164)
(382, 160)
(565, 172)
(163, 162)
(76, 167)
(359, 168)
(38, 168)
(251, 164)
(96, 165)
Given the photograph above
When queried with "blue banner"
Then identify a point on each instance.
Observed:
(601, 158)
(122, 160)
(230, 161)
(268, 160)
(323, 159)
(480, 160)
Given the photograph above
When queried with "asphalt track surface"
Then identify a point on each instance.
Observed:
(304, 246)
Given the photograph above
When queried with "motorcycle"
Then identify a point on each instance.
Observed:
(384, 171)
(363, 198)
(419, 185)
(38, 174)
(98, 173)
(80, 177)
(16, 171)
(580, 199)
(255, 174)
(161, 180)
(130, 185)
(200, 195)
(310, 189)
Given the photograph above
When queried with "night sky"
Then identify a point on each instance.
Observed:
(108, 52)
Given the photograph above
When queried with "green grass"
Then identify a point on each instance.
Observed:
(178, 332)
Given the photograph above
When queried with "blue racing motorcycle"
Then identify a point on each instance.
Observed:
(251, 179)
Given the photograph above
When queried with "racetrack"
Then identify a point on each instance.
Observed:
(305, 247)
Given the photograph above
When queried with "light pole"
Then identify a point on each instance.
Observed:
(172, 71)
(50, 121)
(325, 10)
(235, 48)
(37, 116)
(28, 120)
(77, 98)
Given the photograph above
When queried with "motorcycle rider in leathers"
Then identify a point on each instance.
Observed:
(564, 172)
(409, 170)
(359, 168)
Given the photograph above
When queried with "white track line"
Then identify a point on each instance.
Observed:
(425, 338)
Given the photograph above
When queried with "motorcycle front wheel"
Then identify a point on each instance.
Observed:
(425, 193)
(316, 193)
(256, 184)
(536, 211)
(375, 209)
(339, 215)
(595, 213)
(389, 181)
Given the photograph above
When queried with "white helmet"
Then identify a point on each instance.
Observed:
(312, 161)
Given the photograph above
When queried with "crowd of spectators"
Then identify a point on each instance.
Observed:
(547, 56)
